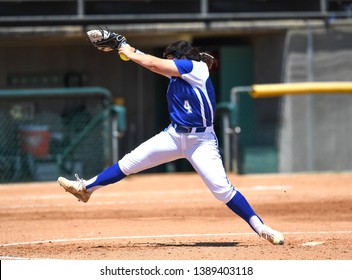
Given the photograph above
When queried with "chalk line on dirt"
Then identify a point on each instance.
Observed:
(161, 236)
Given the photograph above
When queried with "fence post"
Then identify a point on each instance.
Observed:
(229, 122)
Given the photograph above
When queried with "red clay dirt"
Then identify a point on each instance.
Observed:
(175, 217)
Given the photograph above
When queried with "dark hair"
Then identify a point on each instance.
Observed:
(183, 49)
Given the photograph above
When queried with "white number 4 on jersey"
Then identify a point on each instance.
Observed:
(187, 106)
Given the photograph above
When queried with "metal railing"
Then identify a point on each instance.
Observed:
(199, 10)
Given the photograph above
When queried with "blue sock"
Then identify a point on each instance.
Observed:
(110, 175)
(241, 207)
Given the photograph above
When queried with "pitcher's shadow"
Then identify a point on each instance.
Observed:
(198, 244)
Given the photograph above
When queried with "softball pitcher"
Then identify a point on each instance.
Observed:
(191, 105)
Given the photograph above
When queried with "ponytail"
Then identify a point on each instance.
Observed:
(183, 49)
(208, 59)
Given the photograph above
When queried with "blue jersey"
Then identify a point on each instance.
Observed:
(191, 97)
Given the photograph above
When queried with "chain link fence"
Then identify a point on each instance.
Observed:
(48, 133)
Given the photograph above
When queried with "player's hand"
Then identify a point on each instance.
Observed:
(126, 50)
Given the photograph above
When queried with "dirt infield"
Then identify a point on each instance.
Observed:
(175, 217)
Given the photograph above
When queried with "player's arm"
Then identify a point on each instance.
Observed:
(165, 67)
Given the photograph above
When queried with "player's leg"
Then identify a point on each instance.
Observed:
(163, 147)
(241, 207)
(206, 160)
(157, 150)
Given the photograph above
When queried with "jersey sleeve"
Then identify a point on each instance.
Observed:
(184, 66)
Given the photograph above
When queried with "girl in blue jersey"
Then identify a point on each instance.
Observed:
(190, 135)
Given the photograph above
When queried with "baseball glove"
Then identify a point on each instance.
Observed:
(105, 40)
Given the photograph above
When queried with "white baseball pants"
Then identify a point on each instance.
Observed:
(200, 149)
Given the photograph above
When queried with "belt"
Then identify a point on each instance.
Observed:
(185, 129)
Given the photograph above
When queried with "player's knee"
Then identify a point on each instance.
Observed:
(225, 195)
